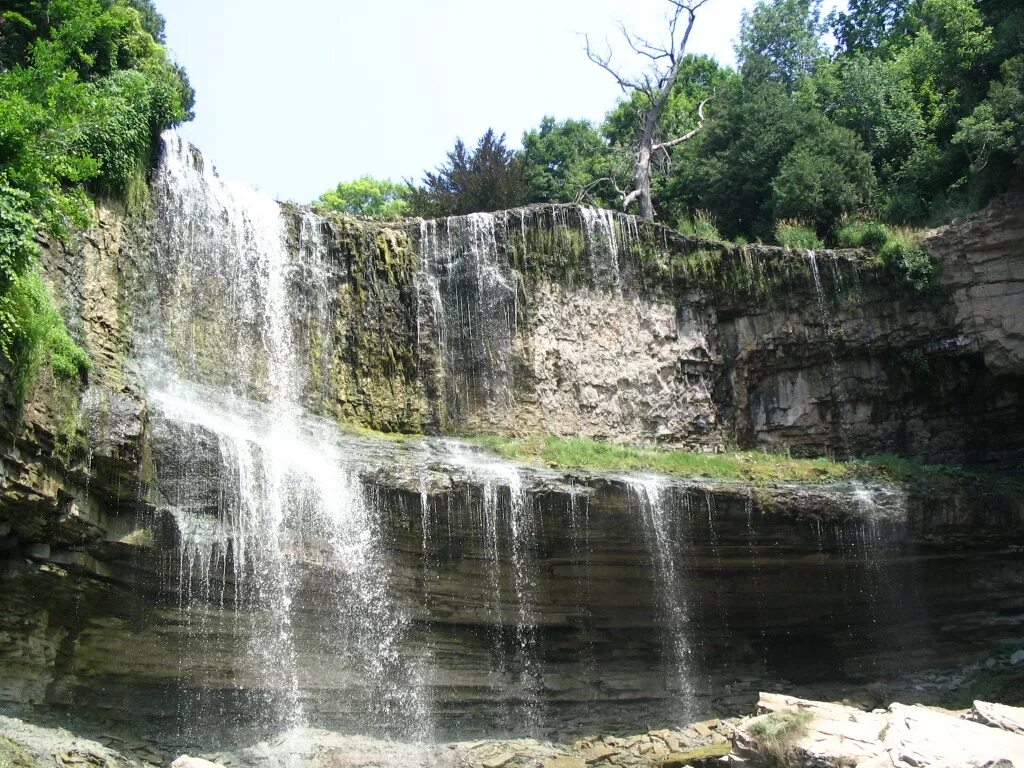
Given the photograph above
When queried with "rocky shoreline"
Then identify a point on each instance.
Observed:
(783, 731)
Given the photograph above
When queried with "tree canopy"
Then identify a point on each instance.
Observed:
(906, 111)
(367, 196)
(489, 177)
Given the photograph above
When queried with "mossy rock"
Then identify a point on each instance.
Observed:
(13, 755)
(696, 754)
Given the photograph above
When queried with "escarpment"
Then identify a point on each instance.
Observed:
(208, 536)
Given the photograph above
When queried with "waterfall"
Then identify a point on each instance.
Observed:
(472, 300)
(352, 573)
(289, 499)
(509, 535)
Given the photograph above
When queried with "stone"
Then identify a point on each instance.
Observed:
(1017, 657)
(998, 716)
(679, 759)
(564, 761)
(918, 736)
(598, 753)
(497, 761)
(186, 761)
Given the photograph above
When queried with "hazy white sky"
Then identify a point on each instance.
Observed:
(294, 97)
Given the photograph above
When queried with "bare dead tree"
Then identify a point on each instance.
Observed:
(655, 84)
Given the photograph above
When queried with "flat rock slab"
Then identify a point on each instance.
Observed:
(499, 760)
(999, 716)
(564, 761)
(598, 753)
(920, 737)
(904, 737)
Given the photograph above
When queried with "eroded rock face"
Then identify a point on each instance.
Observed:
(982, 260)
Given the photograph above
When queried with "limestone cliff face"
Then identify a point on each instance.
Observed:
(526, 593)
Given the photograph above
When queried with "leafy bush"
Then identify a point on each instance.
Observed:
(863, 234)
(793, 233)
(905, 258)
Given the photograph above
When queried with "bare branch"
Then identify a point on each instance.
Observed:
(627, 197)
(605, 63)
(690, 134)
(643, 47)
(666, 64)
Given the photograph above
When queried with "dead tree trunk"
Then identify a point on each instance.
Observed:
(656, 85)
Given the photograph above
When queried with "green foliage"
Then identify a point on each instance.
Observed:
(563, 159)
(84, 90)
(867, 24)
(34, 334)
(993, 134)
(367, 196)
(795, 234)
(700, 224)
(906, 259)
(488, 178)
(780, 41)
(776, 733)
(898, 250)
(823, 178)
(863, 234)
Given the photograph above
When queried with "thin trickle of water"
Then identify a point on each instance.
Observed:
(838, 394)
(470, 297)
(599, 228)
(651, 495)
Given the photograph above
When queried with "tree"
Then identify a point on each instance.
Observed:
(85, 89)
(867, 24)
(780, 42)
(488, 178)
(367, 196)
(563, 159)
(825, 176)
(655, 88)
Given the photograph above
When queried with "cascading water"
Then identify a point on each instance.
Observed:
(289, 499)
(352, 599)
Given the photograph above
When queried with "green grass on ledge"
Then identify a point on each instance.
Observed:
(748, 466)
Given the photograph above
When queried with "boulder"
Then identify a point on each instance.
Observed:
(830, 735)
(187, 761)
(998, 716)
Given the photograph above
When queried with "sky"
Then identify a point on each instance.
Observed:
(294, 97)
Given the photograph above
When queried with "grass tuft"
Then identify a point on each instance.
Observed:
(700, 224)
(795, 234)
(775, 734)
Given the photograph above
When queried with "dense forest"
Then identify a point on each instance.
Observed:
(898, 111)
(86, 87)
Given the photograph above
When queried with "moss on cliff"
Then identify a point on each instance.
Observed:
(369, 362)
(748, 466)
